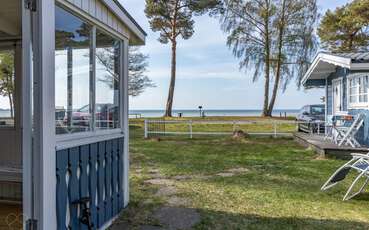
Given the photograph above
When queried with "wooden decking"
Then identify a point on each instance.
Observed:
(326, 147)
(10, 217)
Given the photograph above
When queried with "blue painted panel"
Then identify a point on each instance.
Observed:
(108, 178)
(120, 173)
(62, 188)
(93, 182)
(83, 177)
(114, 181)
(101, 184)
(95, 171)
(73, 187)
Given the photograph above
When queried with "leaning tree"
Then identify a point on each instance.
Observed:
(273, 38)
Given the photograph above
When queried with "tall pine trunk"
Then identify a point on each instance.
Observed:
(279, 61)
(168, 110)
(267, 64)
(10, 96)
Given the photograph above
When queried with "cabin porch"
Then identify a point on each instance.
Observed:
(326, 147)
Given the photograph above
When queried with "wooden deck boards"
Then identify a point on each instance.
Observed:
(10, 216)
(326, 147)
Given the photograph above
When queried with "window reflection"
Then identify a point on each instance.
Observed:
(7, 88)
(72, 73)
(107, 81)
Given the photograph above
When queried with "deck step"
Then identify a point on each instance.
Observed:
(325, 147)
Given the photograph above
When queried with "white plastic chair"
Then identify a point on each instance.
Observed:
(360, 163)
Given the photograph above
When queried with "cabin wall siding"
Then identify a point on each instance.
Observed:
(363, 134)
(99, 11)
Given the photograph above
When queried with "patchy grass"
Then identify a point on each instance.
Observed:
(256, 125)
(273, 184)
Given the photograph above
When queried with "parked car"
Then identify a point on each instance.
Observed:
(104, 116)
(311, 118)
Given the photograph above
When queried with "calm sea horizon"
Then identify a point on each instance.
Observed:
(195, 113)
(211, 112)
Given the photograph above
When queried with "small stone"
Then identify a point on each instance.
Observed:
(238, 170)
(239, 134)
(160, 182)
(225, 174)
(154, 171)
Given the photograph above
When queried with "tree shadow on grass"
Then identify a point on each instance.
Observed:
(216, 220)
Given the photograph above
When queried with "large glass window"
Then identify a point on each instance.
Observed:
(358, 90)
(72, 73)
(107, 81)
(7, 88)
(87, 86)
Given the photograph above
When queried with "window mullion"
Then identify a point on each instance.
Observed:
(93, 78)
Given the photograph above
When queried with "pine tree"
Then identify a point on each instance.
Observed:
(346, 28)
(174, 19)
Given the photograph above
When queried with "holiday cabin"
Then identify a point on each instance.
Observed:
(64, 111)
(345, 78)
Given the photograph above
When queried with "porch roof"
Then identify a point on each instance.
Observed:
(325, 63)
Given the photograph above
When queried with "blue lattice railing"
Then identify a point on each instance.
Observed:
(94, 171)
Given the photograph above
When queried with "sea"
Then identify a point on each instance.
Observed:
(212, 112)
(196, 113)
(4, 113)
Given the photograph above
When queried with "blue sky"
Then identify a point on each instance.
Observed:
(207, 73)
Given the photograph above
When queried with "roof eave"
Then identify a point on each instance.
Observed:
(128, 20)
(328, 58)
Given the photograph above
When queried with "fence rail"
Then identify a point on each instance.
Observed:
(197, 127)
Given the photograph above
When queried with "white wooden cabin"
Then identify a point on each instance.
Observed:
(64, 110)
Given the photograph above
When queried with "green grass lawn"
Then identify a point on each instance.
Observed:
(279, 187)
(264, 125)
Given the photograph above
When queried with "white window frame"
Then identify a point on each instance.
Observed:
(69, 140)
(358, 104)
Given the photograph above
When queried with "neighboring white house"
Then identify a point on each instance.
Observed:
(67, 143)
(345, 77)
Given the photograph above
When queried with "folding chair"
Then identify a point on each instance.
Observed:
(346, 134)
(329, 128)
(360, 163)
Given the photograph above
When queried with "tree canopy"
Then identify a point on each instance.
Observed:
(346, 29)
(138, 81)
(272, 38)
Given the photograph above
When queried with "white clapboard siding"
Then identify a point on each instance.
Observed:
(99, 11)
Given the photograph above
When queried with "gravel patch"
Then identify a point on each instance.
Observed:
(174, 218)
(158, 181)
(166, 191)
(178, 201)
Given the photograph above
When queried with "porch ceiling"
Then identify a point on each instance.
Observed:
(10, 18)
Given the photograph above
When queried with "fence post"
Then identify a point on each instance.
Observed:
(319, 128)
(145, 128)
(275, 129)
(190, 125)
(234, 126)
